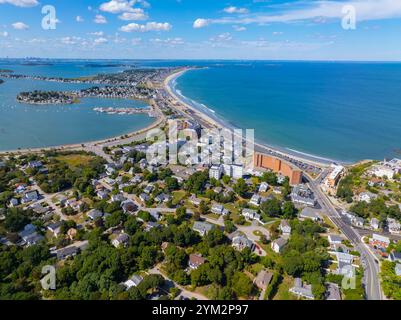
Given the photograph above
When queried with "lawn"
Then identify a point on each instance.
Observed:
(178, 196)
(75, 160)
(283, 290)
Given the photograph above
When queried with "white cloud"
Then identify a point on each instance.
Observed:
(117, 6)
(100, 40)
(150, 26)
(21, 3)
(97, 33)
(136, 41)
(79, 19)
(70, 40)
(99, 19)
(277, 33)
(20, 26)
(4, 34)
(137, 14)
(169, 41)
(239, 28)
(235, 10)
(324, 9)
(201, 23)
(224, 37)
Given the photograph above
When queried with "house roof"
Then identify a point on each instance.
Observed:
(263, 279)
(196, 259)
(281, 242)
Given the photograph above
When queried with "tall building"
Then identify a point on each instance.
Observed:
(263, 161)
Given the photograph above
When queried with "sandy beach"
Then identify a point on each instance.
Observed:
(219, 123)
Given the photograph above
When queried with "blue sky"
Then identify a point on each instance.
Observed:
(203, 29)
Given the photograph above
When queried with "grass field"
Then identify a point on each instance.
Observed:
(282, 292)
(178, 196)
(75, 160)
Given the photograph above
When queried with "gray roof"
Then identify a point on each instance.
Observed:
(310, 213)
(333, 292)
(202, 226)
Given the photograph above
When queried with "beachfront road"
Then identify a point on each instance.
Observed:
(372, 270)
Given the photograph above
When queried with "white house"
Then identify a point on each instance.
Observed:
(255, 200)
(264, 186)
(278, 245)
(367, 196)
(374, 224)
(285, 227)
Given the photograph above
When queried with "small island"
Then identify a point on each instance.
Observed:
(6, 71)
(45, 97)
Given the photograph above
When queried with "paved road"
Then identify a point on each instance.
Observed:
(372, 269)
(185, 292)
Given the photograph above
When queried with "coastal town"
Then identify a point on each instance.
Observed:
(117, 224)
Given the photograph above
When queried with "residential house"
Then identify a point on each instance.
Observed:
(302, 195)
(150, 225)
(263, 279)
(35, 164)
(250, 214)
(358, 222)
(13, 203)
(103, 194)
(148, 189)
(255, 200)
(374, 224)
(302, 290)
(277, 190)
(55, 228)
(240, 242)
(202, 227)
(121, 240)
(195, 201)
(67, 252)
(156, 215)
(398, 269)
(33, 239)
(264, 186)
(394, 226)
(195, 260)
(30, 196)
(95, 214)
(144, 197)
(367, 196)
(333, 292)
(334, 239)
(395, 256)
(278, 245)
(134, 281)
(285, 228)
(129, 207)
(118, 198)
(219, 209)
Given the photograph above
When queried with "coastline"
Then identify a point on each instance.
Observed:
(114, 140)
(217, 122)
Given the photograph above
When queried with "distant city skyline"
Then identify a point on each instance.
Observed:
(207, 29)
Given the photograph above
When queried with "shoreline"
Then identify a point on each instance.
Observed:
(79, 145)
(221, 123)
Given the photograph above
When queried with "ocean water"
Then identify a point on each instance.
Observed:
(341, 111)
(29, 126)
